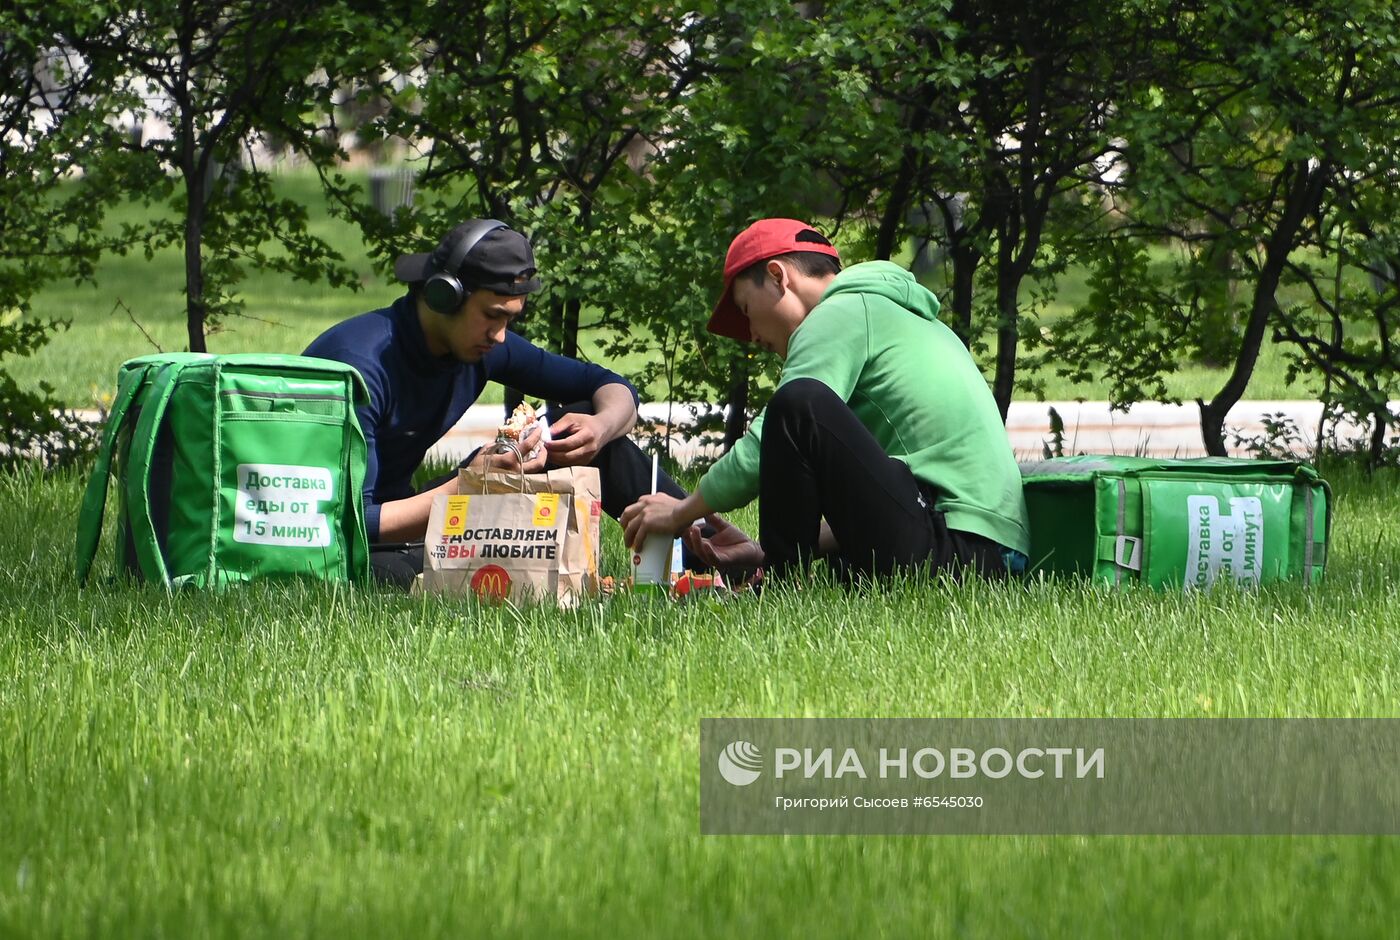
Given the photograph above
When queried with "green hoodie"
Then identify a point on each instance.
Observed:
(874, 339)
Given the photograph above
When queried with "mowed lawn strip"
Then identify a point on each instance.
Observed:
(289, 759)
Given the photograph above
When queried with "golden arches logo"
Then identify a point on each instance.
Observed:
(491, 583)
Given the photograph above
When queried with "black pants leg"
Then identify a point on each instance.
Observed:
(396, 566)
(624, 468)
(819, 462)
(625, 473)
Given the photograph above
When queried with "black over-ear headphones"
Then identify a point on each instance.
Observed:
(443, 291)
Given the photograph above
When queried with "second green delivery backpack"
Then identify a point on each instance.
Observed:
(231, 468)
(1184, 523)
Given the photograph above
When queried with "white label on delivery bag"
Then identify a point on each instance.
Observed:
(1224, 545)
(279, 504)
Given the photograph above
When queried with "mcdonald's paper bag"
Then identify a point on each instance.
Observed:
(525, 537)
(579, 565)
(497, 546)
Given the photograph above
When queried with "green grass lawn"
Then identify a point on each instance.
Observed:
(291, 760)
(139, 306)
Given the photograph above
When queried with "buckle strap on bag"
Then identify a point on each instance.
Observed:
(138, 494)
(95, 496)
(1118, 566)
(356, 537)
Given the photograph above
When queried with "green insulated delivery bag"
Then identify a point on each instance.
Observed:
(1178, 523)
(231, 468)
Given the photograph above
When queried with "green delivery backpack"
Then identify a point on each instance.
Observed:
(231, 468)
(1178, 523)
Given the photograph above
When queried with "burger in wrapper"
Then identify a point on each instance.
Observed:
(523, 421)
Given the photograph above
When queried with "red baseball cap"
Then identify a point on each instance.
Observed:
(766, 238)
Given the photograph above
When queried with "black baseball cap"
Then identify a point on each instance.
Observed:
(502, 261)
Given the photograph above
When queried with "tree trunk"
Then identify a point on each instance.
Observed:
(568, 326)
(555, 329)
(965, 259)
(1008, 337)
(196, 311)
(1213, 428)
(1382, 419)
(897, 208)
(568, 342)
(1304, 195)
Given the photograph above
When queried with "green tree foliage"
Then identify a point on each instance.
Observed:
(213, 83)
(1344, 328)
(1225, 171)
(50, 226)
(537, 113)
(1269, 143)
(619, 139)
(984, 127)
(756, 135)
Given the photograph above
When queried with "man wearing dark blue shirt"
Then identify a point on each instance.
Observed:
(426, 359)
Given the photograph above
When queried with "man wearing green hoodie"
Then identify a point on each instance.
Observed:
(882, 445)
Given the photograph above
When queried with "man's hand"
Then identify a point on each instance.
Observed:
(729, 547)
(650, 515)
(511, 460)
(661, 513)
(576, 440)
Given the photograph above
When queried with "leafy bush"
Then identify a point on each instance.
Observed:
(33, 426)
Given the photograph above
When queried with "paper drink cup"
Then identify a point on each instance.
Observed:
(651, 565)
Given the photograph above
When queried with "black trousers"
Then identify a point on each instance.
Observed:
(625, 473)
(819, 462)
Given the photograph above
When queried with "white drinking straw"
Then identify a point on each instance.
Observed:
(653, 474)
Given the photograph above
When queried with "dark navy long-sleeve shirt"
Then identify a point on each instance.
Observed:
(415, 397)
